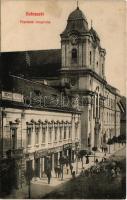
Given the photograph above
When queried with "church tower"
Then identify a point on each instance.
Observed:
(83, 72)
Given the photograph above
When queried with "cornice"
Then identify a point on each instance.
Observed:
(83, 72)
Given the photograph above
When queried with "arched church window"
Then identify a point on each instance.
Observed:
(97, 63)
(102, 69)
(74, 56)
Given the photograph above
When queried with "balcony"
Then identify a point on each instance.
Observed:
(15, 153)
(69, 140)
(43, 144)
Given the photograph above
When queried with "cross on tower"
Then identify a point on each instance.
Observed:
(77, 4)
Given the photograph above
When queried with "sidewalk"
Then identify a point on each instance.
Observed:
(40, 187)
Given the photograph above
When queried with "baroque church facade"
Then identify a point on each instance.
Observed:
(82, 73)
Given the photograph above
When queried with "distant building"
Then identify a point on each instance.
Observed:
(123, 116)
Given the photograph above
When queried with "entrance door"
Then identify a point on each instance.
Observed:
(37, 167)
(55, 159)
(29, 170)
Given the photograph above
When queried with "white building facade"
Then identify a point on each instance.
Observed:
(33, 135)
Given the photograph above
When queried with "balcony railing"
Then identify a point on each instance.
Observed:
(15, 153)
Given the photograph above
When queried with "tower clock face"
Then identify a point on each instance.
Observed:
(74, 39)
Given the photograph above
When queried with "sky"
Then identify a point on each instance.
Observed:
(108, 19)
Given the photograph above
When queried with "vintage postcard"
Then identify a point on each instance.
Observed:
(63, 99)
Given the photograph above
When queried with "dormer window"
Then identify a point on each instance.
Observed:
(74, 55)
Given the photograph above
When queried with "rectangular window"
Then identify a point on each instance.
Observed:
(69, 132)
(90, 58)
(50, 135)
(36, 135)
(89, 115)
(55, 134)
(14, 138)
(107, 117)
(60, 133)
(64, 132)
(29, 131)
(74, 56)
(76, 132)
(43, 135)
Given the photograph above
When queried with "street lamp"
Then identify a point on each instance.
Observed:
(29, 176)
(77, 151)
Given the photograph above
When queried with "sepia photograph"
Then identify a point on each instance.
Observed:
(63, 99)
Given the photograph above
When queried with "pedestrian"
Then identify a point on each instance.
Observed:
(49, 175)
(71, 168)
(104, 158)
(96, 161)
(113, 174)
(73, 174)
(83, 171)
(59, 170)
(67, 167)
(117, 171)
(56, 170)
(87, 159)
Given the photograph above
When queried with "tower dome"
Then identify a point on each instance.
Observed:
(76, 22)
(77, 14)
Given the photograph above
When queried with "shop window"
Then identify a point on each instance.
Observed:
(74, 55)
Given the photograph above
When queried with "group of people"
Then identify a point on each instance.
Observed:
(58, 169)
(109, 167)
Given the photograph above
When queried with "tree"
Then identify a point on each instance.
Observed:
(121, 138)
